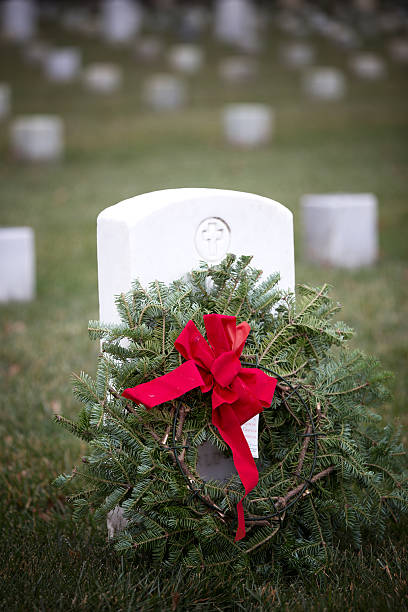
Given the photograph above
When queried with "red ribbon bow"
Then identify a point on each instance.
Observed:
(238, 393)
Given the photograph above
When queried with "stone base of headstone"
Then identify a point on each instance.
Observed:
(165, 92)
(5, 100)
(116, 521)
(340, 229)
(102, 78)
(238, 69)
(62, 65)
(324, 83)
(37, 138)
(368, 66)
(186, 58)
(17, 264)
(248, 125)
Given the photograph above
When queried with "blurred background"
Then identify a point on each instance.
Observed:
(101, 101)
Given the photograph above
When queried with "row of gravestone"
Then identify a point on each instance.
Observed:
(163, 234)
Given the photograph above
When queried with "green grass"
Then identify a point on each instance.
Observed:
(117, 149)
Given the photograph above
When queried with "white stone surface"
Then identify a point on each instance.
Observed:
(62, 65)
(37, 137)
(324, 83)
(248, 125)
(164, 234)
(17, 264)
(186, 58)
(120, 20)
(238, 69)
(340, 229)
(297, 54)
(236, 23)
(116, 521)
(19, 19)
(398, 49)
(5, 100)
(165, 92)
(102, 78)
(368, 66)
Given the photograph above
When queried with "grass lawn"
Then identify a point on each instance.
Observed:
(116, 149)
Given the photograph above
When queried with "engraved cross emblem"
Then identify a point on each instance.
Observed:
(212, 235)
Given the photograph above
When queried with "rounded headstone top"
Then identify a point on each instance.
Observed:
(37, 122)
(338, 200)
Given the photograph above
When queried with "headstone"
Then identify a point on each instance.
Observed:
(398, 49)
(165, 92)
(149, 48)
(17, 264)
(5, 100)
(248, 125)
(186, 58)
(297, 54)
(120, 20)
(238, 69)
(368, 66)
(18, 19)
(236, 23)
(63, 65)
(324, 83)
(340, 229)
(35, 52)
(194, 20)
(102, 78)
(164, 234)
(37, 138)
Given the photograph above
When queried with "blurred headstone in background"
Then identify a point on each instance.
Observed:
(120, 20)
(238, 69)
(5, 100)
(297, 54)
(165, 92)
(62, 65)
(36, 51)
(17, 264)
(104, 78)
(37, 138)
(324, 83)
(398, 49)
(194, 20)
(236, 23)
(340, 229)
(18, 19)
(368, 66)
(186, 58)
(247, 125)
(148, 48)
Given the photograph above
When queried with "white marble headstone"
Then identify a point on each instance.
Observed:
(62, 65)
(19, 19)
(297, 54)
(236, 23)
(238, 69)
(5, 100)
(17, 264)
(248, 125)
(120, 20)
(37, 138)
(340, 229)
(164, 234)
(368, 66)
(186, 58)
(165, 92)
(324, 83)
(104, 78)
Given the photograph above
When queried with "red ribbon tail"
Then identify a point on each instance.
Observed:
(168, 387)
(227, 424)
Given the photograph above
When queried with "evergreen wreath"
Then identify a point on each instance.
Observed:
(328, 466)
